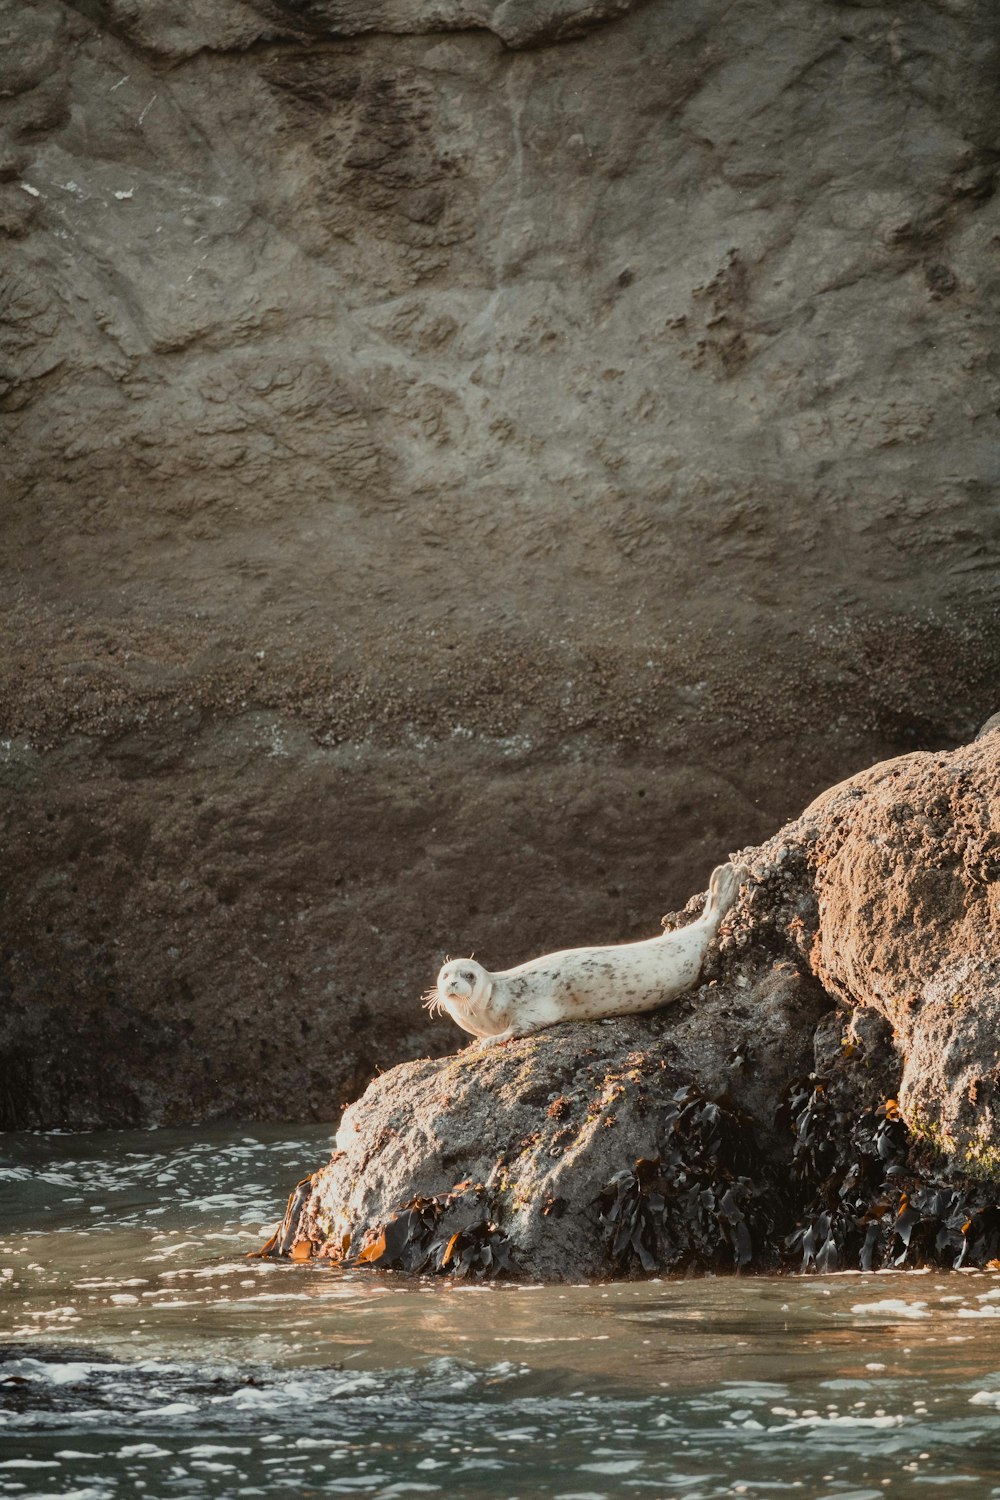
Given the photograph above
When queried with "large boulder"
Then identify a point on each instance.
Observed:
(531, 1133)
(840, 1052)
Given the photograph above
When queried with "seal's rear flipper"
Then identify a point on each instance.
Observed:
(723, 888)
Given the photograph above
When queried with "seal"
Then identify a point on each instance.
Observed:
(582, 984)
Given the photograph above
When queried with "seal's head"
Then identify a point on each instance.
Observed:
(463, 982)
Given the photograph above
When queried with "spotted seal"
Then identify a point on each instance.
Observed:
(582, 984)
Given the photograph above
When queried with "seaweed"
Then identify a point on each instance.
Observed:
(411, 1241)
(744, 1055)
(851, 1189)
(694, 1202)
(826, 1241)
(281, 1244)
(810, 1115)
(865, 1204)
(852, 1198)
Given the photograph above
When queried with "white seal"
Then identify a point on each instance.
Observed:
(580, 984)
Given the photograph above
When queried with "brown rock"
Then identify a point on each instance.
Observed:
(908, 891)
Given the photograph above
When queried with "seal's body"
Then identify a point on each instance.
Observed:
(582, 984)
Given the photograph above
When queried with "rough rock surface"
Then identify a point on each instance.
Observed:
(864, 954)
(908, 891)
(466, 463)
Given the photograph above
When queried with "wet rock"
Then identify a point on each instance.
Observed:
(824, 1097)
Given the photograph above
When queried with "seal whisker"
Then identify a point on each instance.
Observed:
(431, 1001)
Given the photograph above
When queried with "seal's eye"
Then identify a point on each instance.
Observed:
(469, 978)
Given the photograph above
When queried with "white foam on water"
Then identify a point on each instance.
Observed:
(169, 1250)
(212, 1450)
(278, 1297)
(612, 1466)
(853, 1495)
(892, 1307)
(103, 1283)
(172, 1409)
(90, 1493)
(409, 1487)
(218, 1202)
(270, 1400)
(848, 1420)
(69, 1373)
(753, 1390)
(202, 1273)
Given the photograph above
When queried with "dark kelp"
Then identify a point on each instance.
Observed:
(694, 1203)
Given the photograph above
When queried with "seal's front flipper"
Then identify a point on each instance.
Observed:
(510, 1035)
(497, 1038)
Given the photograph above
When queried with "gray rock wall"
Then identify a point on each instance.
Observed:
(468, 465)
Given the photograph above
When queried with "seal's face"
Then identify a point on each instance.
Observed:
(461, 980)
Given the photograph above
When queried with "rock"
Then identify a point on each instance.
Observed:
(536, 1129)
(467, 462)
(908, 893)
(226, 25)
(894, 905)
(829, 1094)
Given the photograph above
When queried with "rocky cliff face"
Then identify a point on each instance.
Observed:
(468, 465)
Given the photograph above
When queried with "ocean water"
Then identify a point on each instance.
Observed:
(141, 1354)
